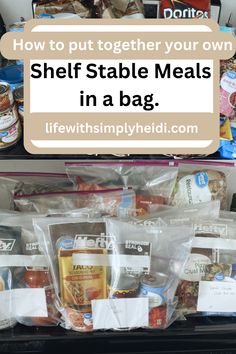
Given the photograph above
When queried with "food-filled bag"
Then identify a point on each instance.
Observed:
(153, 181)
(29, 270)
(106, 202)
(20, 183)
(228, 88)
(103, 271)
(213, 252)
(80, 8)
(198, 183)
(90, 9)
(179, 216)
(185, 9)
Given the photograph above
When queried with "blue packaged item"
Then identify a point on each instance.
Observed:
(17, 27)
(13, 75)
(227, 149)
(45, 16)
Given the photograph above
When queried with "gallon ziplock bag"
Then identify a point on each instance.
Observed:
(29, 271)
(74, 284)
(212, 248)
(99, 271)
(201, 182)
(20, 183)
(153, 181)
(106, 202)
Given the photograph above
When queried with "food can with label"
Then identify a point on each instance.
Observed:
(8, 118)
(154, 287)
(18, 95)
(6, 96)
(10, 136)
(126, 286)
(21, 113)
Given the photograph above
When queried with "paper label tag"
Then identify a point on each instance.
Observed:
(194, 268)
(23, 303)
(23, 261)
(134, 255)
(111, 260)
(120, 313)
(216, 296)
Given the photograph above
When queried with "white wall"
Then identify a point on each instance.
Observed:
(12, 10)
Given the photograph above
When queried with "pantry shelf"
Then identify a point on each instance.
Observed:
(208, 335)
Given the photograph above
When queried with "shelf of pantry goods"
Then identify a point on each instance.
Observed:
(18, 152)
(192, 336)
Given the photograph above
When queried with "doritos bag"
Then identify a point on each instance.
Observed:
(185, 9)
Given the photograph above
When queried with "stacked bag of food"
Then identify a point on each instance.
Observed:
(89, 9)
(117, 245)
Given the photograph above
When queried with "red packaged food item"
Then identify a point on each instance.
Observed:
(185, 9)
(158, 317)
(34, 278)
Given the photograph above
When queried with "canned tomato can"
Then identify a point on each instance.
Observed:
(10, 136)
(154, 287)
(8, 118)
(126, 286)
(18, 95)
(6, 96)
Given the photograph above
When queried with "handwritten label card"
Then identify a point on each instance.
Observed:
(216, 296)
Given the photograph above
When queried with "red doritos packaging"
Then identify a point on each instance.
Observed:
(185, 9)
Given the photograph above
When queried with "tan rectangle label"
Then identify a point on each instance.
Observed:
(140, 86)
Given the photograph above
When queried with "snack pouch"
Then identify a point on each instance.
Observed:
(228, 91)
(201, 183)
(97, 274)
(107, 202)
(185, 9)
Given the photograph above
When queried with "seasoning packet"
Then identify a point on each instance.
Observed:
(201, 183)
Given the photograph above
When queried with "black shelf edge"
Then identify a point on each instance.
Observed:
(196, 335)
